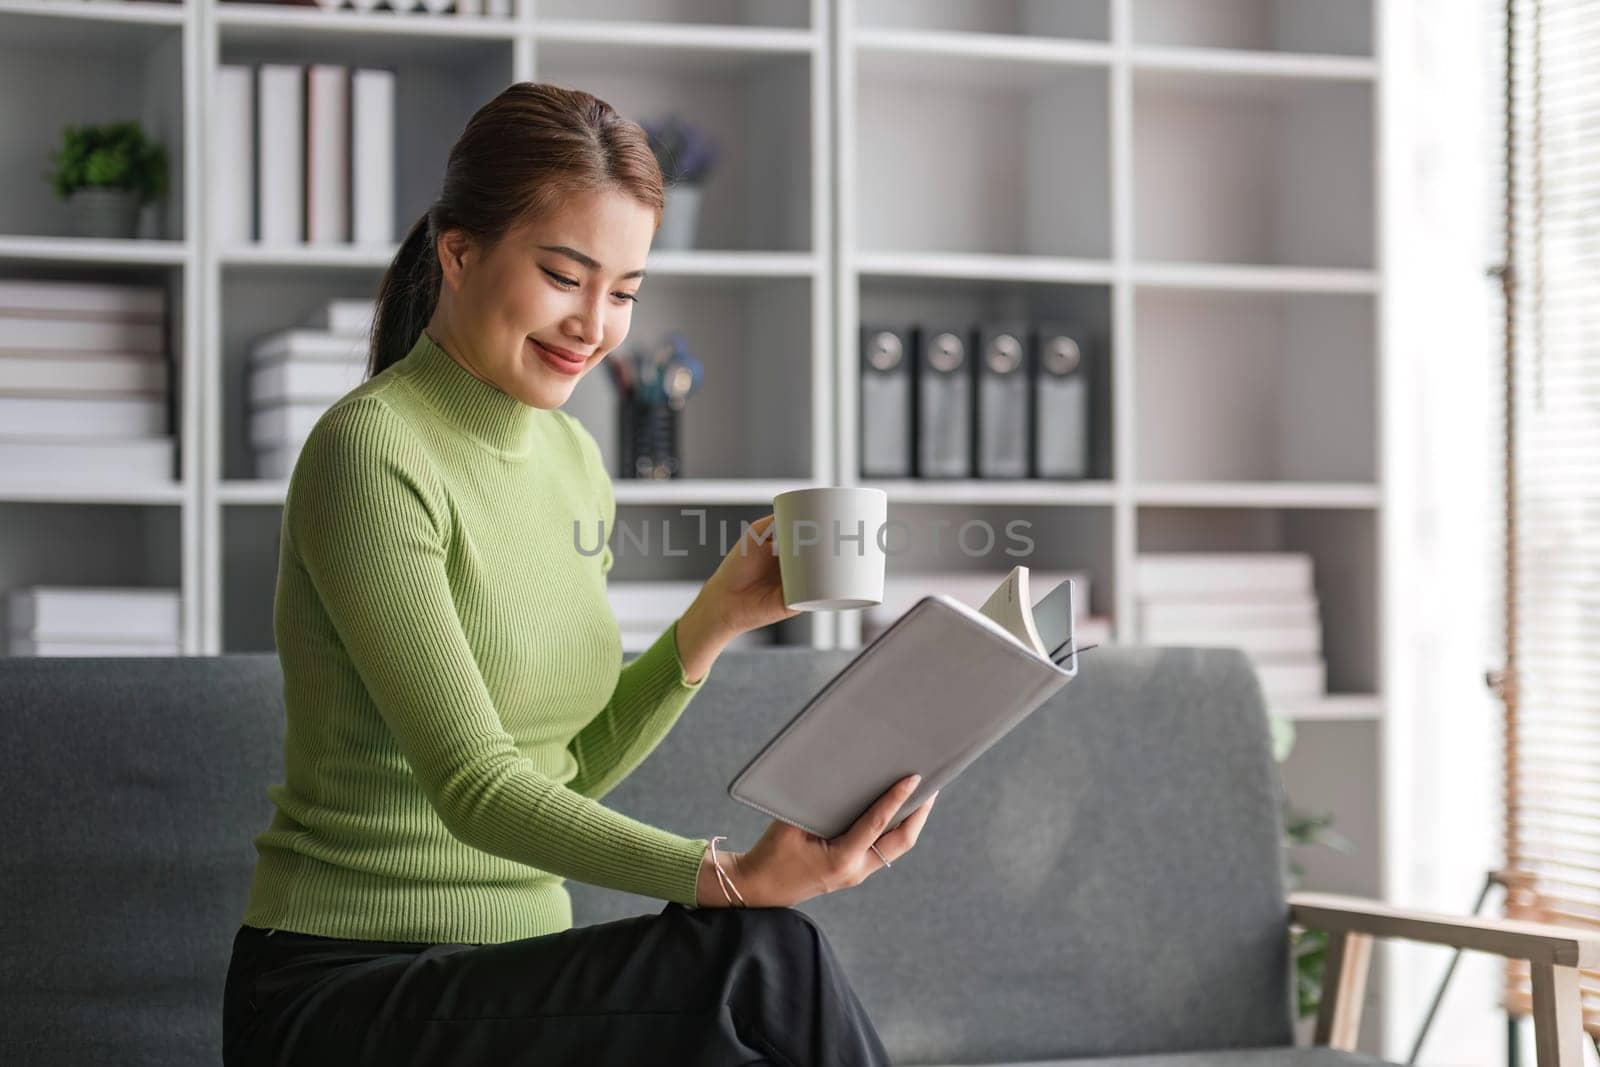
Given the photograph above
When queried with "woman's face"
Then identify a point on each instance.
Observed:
(567, 282)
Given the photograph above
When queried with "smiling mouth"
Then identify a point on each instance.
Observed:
(552, 352)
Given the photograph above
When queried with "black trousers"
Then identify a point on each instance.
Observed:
(686, 986)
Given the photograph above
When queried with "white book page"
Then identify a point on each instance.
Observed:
(1010, 606)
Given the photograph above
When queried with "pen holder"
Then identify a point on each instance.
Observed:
(649, 440)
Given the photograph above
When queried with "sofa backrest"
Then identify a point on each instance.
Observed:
(1106, 879)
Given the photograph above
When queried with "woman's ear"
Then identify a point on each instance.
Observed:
(454, 248)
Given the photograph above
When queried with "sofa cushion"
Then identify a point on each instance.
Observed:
(137, 786)
(1106, 879)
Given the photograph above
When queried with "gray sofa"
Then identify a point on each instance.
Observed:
(1103, 886)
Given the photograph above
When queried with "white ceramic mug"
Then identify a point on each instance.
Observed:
(830, 546)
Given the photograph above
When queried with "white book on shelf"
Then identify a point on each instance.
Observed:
(327, 90)
(1290, 679)
(23, 645)
(106, 612)
(280, 153)
(294, 381)
(372, 169)
(469, 8)
(309, 345)
(88, 463)
(1265, 641)
(72, 374)
(348, 317)
(47, 298)
(233, 159)
(1206, 614)
(283, 424)
(499, 9)
(27, 334)
(1234, 575)
(72, 417)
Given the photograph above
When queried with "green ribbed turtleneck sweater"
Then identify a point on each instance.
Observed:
(453, 678)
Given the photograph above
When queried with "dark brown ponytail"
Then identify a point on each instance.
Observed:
(519, 156)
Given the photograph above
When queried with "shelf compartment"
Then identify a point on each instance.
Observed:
(1343, 544)
(1244, 169)
(1335, 768)
(927, 538)
(1083, 19)
(78, 71)
(756, 105)
(253, 305)
(124, 477)
(894, 300)
(439, 84)
(1333, 27)
(929, 130)
(751, 418)
(250, 547)
(1235, 387)
(112, 544)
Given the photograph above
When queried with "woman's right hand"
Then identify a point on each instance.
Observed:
(788, 865)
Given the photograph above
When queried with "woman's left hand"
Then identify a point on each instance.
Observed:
(746, 590)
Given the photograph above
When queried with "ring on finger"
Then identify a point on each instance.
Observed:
(881, 856)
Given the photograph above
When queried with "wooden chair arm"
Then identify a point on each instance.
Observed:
(1555, 954)
(1514, 938)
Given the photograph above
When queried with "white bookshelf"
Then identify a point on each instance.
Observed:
(1194, 180)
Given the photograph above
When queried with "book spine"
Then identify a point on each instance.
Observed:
(233, 183)
(372, 176)
(280, 153)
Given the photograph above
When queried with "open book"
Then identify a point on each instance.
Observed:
(1045, 627)
(927, 696)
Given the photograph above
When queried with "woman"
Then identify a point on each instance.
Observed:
(456, 699)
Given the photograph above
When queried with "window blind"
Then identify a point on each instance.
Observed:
(1549, 215)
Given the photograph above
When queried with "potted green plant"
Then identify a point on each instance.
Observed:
(106, 173)
(1310, 947)
(686, 155)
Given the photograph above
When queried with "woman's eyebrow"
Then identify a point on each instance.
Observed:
(587, 261)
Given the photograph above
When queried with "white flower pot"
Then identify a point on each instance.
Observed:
(104, 212)
(680, 218)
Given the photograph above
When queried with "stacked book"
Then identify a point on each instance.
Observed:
(645, 609)
(52, 620)
(901, 591)
(83, 383)
(1263, 603)
(306, 154)
(295, 374)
